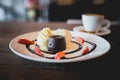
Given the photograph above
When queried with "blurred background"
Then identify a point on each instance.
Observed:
(56, 10)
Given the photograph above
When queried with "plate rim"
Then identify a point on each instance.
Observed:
(56, 61)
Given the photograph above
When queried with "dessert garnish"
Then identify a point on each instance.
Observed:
(37, 50)
(25, 41)
(59, 55)
(80, 40)
(85, 50)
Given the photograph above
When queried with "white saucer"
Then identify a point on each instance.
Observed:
(106, 32)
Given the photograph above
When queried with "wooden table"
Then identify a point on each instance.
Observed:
(13, 67)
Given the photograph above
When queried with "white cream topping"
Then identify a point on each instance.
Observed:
(43, 37)
(46, 32)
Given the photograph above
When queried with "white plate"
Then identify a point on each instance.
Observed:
(103, 47)
(105, 32)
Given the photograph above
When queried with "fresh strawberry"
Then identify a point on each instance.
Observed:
(80, 40)
(85, 50)
(37, 51)
(25, 41)
(59, 55)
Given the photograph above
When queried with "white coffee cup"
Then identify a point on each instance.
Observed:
(95, 22)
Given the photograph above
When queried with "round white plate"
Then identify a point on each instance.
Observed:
(78, 28)
(103, 47)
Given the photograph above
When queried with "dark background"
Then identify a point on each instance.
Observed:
(110, 8)
(15, 10)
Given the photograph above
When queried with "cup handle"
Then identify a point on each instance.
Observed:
(106, 25)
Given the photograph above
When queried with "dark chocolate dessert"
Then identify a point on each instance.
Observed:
(56, 43)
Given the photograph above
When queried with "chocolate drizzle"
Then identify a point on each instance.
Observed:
(78, 49)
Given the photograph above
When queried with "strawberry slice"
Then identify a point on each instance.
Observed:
(80, 40)
(85, 50)
(59, 55)
(25, 41)
(37, 51)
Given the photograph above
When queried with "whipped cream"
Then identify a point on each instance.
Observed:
(42, 39)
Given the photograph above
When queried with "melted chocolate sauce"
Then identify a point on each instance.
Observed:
(78, 49)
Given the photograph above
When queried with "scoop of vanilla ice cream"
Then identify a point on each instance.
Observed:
(43, 37)
(67, 36)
